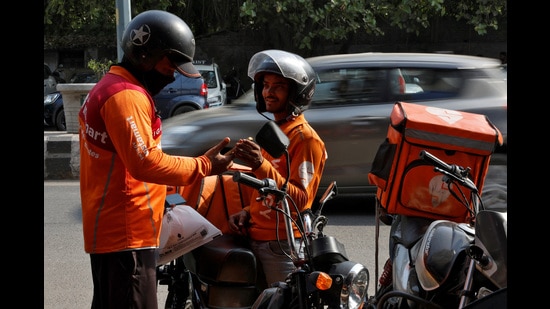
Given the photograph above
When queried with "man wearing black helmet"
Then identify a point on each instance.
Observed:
(123, 172)
(284, 84)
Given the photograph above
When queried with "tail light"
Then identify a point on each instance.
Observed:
(204, 93)
(204, 90)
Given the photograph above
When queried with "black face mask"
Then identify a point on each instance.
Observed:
(154, 81)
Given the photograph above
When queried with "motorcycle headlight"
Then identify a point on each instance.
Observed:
(353, 292)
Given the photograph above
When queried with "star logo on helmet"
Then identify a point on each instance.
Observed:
(141, 35)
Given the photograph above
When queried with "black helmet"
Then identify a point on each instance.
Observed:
(151, 35)
(288, 65)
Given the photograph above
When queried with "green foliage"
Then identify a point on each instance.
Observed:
(100, 67)
(64, 17)
(286, 23)
(307, 21)
(482, 14)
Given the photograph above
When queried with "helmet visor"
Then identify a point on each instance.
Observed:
(280, 62)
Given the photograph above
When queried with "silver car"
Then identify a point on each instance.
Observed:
(354, 96)
(217, 90)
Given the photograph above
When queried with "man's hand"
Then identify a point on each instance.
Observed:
(220, 163)
(237, 222)
(249, 152)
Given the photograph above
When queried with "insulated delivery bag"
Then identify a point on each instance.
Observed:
(407, 185)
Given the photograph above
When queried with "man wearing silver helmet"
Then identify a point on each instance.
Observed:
(284, 84)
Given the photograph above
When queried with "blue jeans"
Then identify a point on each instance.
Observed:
(275, 262)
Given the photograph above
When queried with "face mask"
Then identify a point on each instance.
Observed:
(154, 81)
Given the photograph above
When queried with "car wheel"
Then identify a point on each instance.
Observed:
(60, 121)
(183, 109)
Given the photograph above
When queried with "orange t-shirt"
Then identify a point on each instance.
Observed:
(307, 154)
(123, 171)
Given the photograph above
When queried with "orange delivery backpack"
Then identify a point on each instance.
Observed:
(215, 197)
(406, 185)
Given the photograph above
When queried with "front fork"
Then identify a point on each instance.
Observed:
(178, 279)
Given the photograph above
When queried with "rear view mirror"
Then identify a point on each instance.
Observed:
(272, 139)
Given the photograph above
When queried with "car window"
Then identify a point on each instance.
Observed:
(345, 86)
(428, 83)
(352, 85)
(209, 78)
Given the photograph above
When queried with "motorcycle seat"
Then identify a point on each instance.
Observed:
(226, 259)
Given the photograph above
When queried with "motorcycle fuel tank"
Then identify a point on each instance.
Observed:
(441, 246)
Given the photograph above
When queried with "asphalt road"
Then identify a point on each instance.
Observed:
(67, 279)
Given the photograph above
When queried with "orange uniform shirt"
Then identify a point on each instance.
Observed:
(123, 171)
(307, 154)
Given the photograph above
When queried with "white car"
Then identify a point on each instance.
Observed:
(217, 89)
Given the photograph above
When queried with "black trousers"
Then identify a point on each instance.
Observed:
(124, 280)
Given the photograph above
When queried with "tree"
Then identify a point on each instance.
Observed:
(287, 24)
(300, 23)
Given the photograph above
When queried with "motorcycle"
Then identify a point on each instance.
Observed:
(442, 263)
(223, 272)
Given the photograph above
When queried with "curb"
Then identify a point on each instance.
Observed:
(61, 156)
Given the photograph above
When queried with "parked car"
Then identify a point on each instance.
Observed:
(182, 95)
(217, 89)
(54, 116)
(354, 96)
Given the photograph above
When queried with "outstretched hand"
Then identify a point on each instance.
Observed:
(220, 162)
(249, 152)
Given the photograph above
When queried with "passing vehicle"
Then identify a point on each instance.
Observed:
(350, 110)
(217, 89)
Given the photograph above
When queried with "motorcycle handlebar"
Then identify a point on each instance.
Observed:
(269, 186)
(253, 181)
(457, 172)
(435, 161)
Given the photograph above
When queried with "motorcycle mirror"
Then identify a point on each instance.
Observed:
(272, 139)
